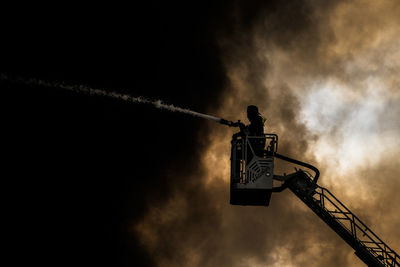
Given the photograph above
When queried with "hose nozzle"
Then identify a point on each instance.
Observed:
(231, 123)
(225, 122)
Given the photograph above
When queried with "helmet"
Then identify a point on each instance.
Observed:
(252, 110)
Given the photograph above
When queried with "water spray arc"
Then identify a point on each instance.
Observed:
(112, 94)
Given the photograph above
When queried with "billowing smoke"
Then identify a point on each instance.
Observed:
(325, 74)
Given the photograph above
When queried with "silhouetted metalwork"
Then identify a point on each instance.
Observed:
(252, 163)
(252, 175)
(367, 245)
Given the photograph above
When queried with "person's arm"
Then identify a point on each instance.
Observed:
(239, 124)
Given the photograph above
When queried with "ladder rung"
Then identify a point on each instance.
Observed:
(341, 212)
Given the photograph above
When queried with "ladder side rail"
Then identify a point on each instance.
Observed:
(375, 244)
(337, 211)
(354, 225)
(336, 226)
(366, 231)
(346, 213)
(356, 219)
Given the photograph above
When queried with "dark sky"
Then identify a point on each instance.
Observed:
(87, 167)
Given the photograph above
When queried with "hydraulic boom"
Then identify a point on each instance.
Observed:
(367, 245)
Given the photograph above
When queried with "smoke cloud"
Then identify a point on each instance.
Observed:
(325, 74)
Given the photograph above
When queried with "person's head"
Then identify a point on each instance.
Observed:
(252, 112)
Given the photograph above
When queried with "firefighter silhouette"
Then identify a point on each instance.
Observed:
(256, 126)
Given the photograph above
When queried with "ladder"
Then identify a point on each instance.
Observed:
(367, 245)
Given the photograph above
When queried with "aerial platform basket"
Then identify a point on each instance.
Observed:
(252, 169)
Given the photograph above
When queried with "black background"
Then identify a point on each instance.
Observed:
(83, 169)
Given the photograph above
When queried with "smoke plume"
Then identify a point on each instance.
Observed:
(325, 74)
